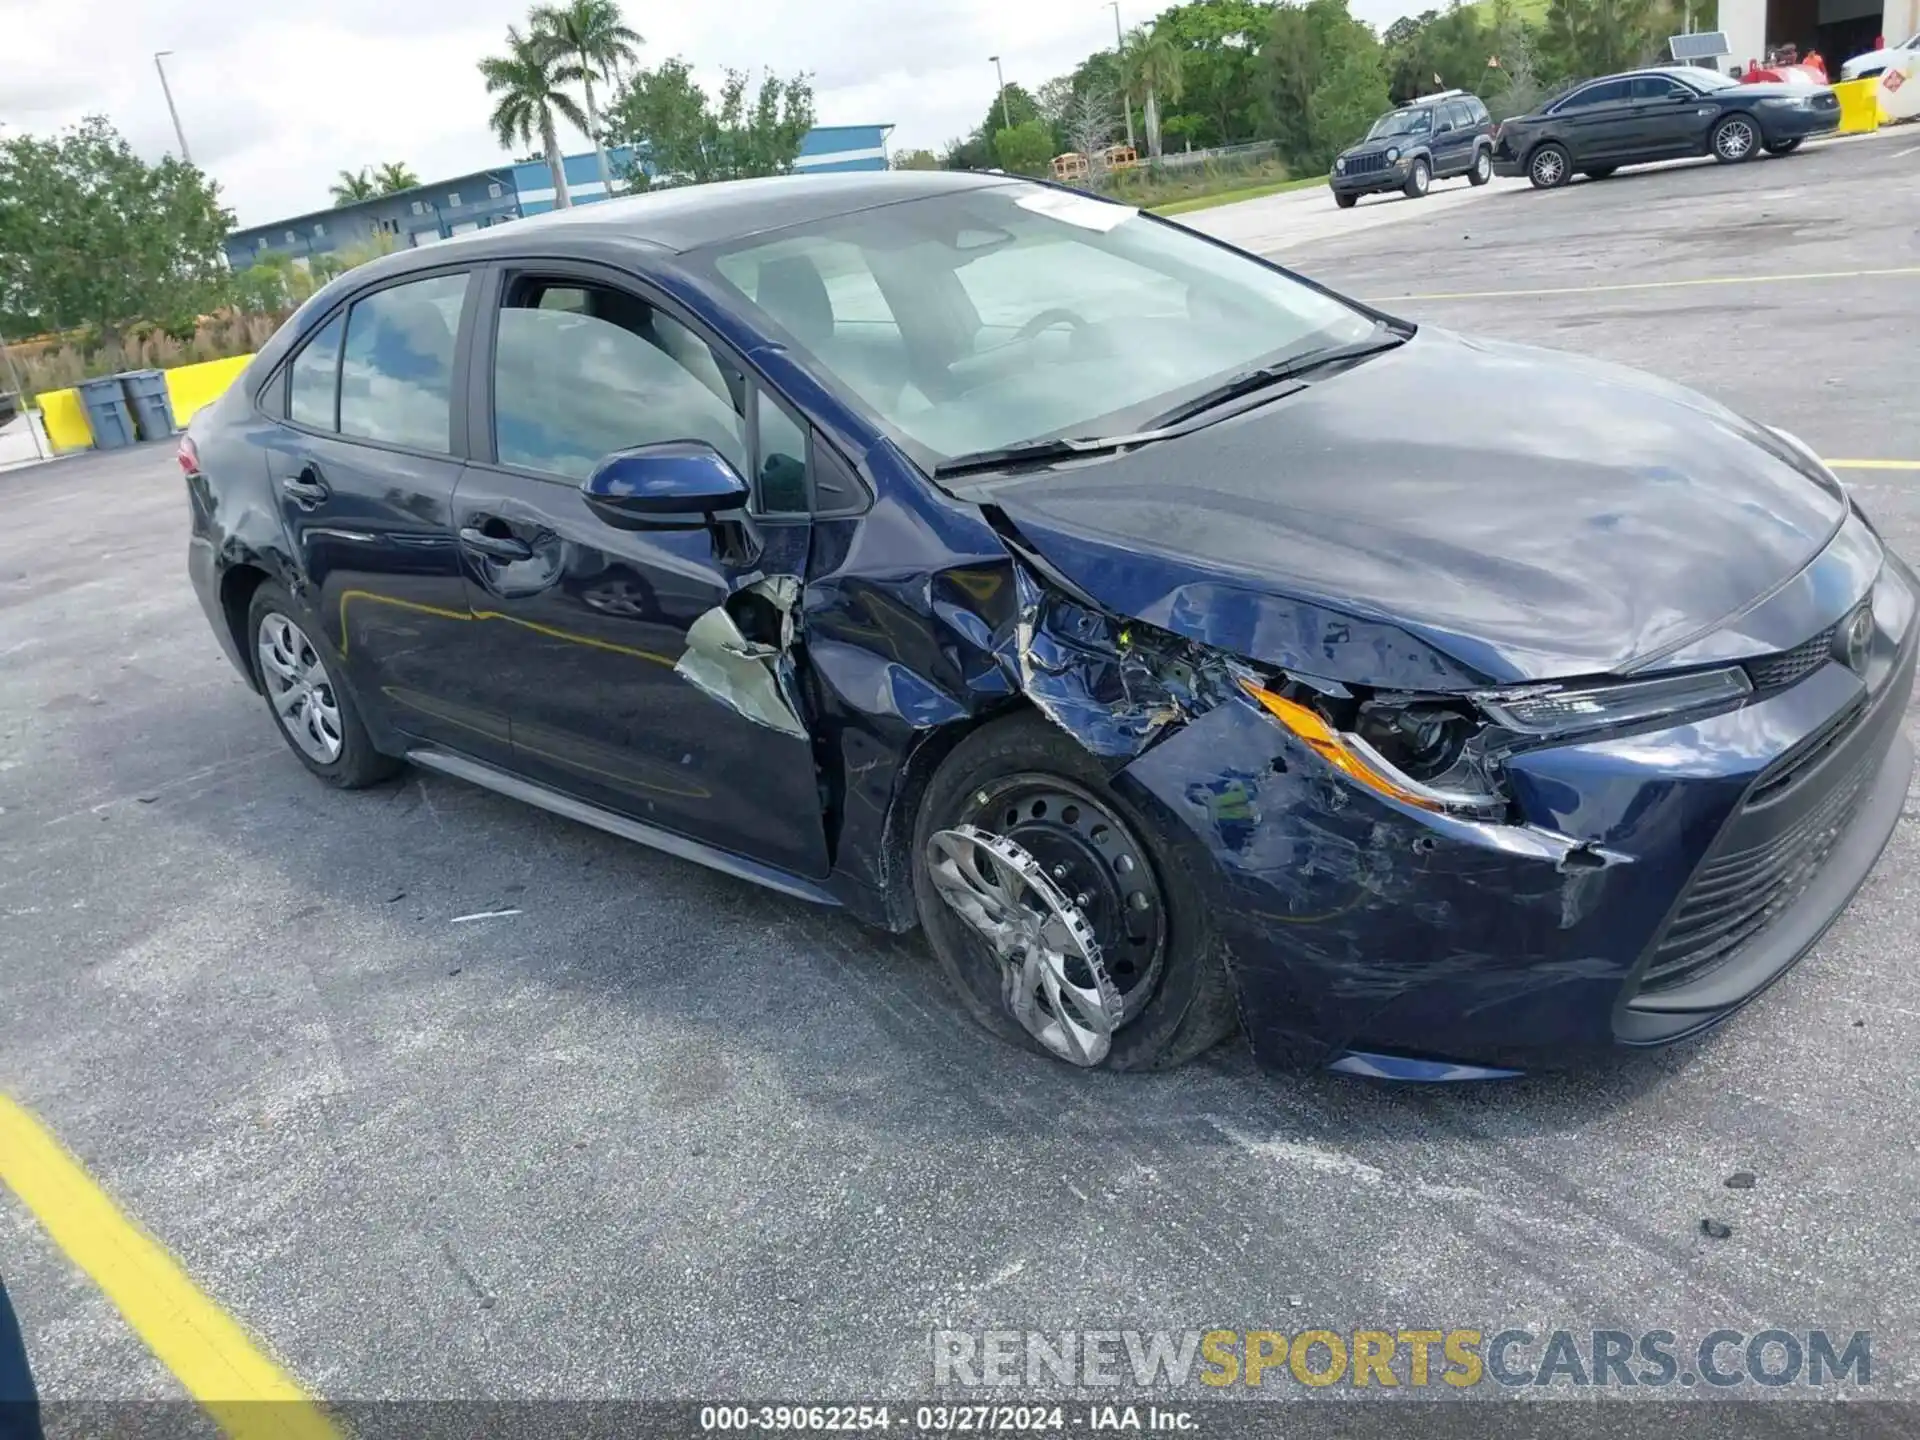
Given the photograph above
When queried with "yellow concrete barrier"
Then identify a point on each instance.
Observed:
(190, 389)
(66, 420)
(1859, 105)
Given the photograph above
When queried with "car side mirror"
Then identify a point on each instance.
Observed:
(674, 483)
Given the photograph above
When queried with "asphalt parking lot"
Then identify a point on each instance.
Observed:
(648, 1131)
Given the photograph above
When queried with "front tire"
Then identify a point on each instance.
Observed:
(1784, 147)
(1419, 180)
(1734, 139)
(1482, 170)
(1549, 166)
(1345, 202)
(1058, 914)
(313, 713)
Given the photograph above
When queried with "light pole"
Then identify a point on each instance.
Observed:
(1119, 56)
(167, 90)
(1006, 117)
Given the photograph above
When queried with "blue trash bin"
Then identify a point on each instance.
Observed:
(107, 413)
(146, 392)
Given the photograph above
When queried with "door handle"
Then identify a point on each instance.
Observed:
(307, 487)
(494, 547)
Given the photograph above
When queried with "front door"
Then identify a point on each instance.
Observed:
(1669, 118)
(364, 472)
(1453, 140)
(1599, 122)
(587, 624)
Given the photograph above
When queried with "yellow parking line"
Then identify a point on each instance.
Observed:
(247, 1395)
(1873, 464)
(1651, 285)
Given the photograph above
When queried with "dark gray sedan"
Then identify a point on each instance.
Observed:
(1659, 114)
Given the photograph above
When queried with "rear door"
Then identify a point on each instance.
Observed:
(1596, 123)
(585, 623)
(1453, 139)
(364, 467)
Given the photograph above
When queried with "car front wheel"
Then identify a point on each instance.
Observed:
(1345, 202)
(1734, 139)
(1418, 179)
(1059, 916)
(314, 714)
(1549, 167)
(1482, 170)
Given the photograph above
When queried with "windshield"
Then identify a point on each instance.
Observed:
(987, 317)
(1401, 122)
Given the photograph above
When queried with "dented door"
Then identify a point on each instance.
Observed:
(648, 671)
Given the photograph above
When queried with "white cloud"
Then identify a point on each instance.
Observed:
(275, 101)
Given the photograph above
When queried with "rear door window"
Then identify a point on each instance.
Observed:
(396, 368)
(314, 378)
(1603, 93)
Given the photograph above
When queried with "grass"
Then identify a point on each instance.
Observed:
(1228, 197)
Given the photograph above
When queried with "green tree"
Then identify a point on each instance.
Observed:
(393, 177)
(593, 41)
(916, 160)
(688, 137)
(1150, 63)
(352, 187)
(1026, 148)
(1307, 46)
(91, 235)
(526, 85)
(1593, 37)
(1218, 42)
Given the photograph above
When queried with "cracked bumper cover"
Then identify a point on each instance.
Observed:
(1354, 924)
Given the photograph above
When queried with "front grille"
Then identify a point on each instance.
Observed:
(1776, 672)
(1366, 164)
(1737, 894)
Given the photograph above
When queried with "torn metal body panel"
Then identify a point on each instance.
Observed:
(754, 677)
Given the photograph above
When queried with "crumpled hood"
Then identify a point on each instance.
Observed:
(1530, 515)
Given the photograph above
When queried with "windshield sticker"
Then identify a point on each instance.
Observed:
(1081, 210)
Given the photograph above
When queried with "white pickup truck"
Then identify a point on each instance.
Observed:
(1861, 67)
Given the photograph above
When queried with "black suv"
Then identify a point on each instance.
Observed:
(1408, 149)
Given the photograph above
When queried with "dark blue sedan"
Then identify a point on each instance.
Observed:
(978, 555)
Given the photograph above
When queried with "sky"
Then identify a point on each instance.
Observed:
(277, 97)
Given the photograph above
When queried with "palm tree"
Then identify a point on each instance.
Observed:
(592, 39)
(352, 187)
(527, 81)
(394, 177)
(1151, 62)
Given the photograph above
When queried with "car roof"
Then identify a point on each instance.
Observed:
(686, 217)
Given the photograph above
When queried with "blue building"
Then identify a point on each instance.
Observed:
(427, 214)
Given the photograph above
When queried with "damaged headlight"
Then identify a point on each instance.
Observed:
(1445, 753)
(1419, 751)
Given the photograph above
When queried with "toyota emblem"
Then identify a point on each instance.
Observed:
(1855, 639)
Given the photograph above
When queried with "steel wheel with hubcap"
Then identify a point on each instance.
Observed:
(1058, 919)
(1418, 179)
(315, 714)
(1482, 170)
(299, 688)
(1734, 139)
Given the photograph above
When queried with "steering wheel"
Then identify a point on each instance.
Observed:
(1047, 319)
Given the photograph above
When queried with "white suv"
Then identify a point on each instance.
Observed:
(1863, 66)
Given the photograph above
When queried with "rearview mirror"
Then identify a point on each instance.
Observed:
(675, 482)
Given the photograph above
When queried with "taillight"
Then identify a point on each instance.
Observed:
(188, 456)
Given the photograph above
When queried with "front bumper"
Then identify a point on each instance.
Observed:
(1356, 925)
(1787, 123)
(1373, 182)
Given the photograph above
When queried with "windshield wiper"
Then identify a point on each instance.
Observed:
(1029, 452)
(1247, 382)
